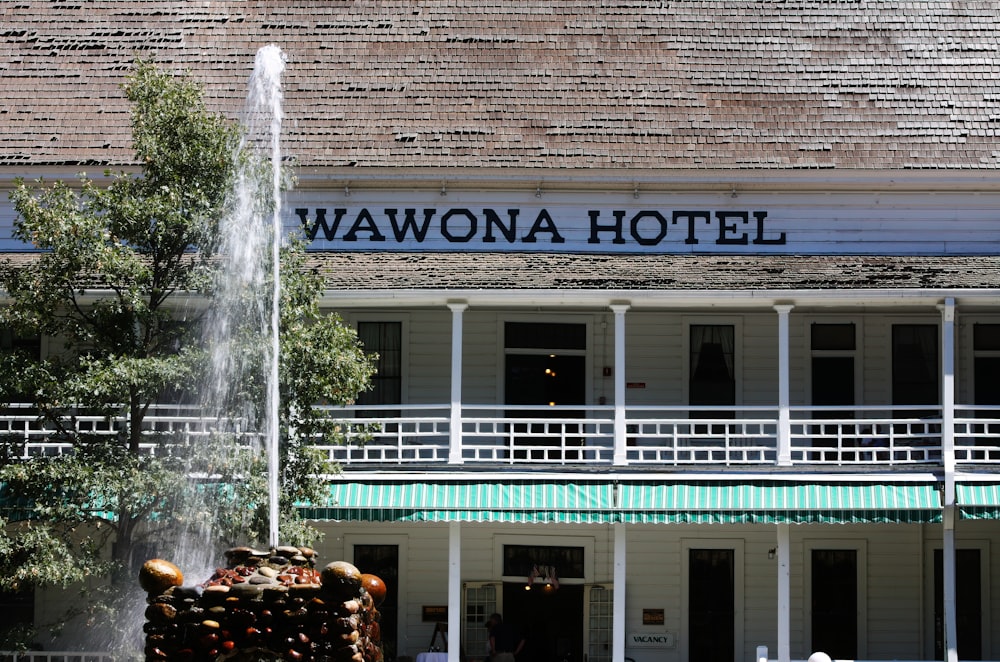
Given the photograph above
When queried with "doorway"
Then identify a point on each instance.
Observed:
(835, 602)
(550, 620)
(545, 364)
(969, 604)
(711, 605)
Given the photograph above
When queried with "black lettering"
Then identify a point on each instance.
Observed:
(727, 228)
(759, 239)
(364, 223)
(473, 224)
(493, 220)
(596, 227)
(409, 222)
(691, 217)
(543, 223)
(648, 241)
(328, 232)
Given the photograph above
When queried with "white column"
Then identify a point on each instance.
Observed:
(455, 427)
(784, 414)
(784, 594)
(618, 599)
(454, 591)
(948, 457)
(619, 368)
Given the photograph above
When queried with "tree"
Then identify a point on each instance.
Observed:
(117, 269)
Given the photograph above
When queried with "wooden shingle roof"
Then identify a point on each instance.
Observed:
(644, 84)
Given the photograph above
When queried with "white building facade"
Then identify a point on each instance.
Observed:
(688, 313)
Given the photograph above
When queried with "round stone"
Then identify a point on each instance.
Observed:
(375, 587)
(157, 575)
(342, 577)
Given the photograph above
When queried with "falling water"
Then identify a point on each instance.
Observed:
(248, 290)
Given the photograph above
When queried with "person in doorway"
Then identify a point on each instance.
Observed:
(506, 642)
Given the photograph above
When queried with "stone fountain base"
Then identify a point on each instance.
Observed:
(270, 605)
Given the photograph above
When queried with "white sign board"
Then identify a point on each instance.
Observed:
(649, 640)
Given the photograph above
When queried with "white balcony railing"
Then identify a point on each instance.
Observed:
(399, 436)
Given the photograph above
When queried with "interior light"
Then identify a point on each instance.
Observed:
(552, 404)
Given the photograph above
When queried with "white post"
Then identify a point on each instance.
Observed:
(618, 599)
(455, 425)
(454, 591)
(948, 457)
(784, 458)
(620, 452)
(784, 594)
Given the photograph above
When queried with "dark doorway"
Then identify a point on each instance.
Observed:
(711, 605)
(551, 621)
(915, 364)
(383, 561)
(968, 598)
(833, 381)
(544, 365)
(835, 603)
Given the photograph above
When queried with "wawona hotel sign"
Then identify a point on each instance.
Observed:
(593, 222)
(845, 223)
(463, 225)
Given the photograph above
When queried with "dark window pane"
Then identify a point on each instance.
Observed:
(986, 383)
(519, 560)
(384, 339)
(833, 337)
(914, 364)
(986, 337)
(712, 365)
(833, 380)
(11, 342)
(533, 335)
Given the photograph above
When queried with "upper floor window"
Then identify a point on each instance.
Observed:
(712, 364)
(386, 340)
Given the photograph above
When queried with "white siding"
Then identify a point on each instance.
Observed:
(894, 577)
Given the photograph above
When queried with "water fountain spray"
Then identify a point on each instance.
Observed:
(265, 604)
(249, 289)
(266, 83)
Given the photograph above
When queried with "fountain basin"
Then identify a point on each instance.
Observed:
(263, 605)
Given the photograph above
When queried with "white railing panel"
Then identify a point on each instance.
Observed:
(538, 434)
(701, 435)
(977, 434)
(902, 435)
(392, 435)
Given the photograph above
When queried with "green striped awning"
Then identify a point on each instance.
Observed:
(630, 502)
(978, 500)
(773, 502)
(469, 501)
